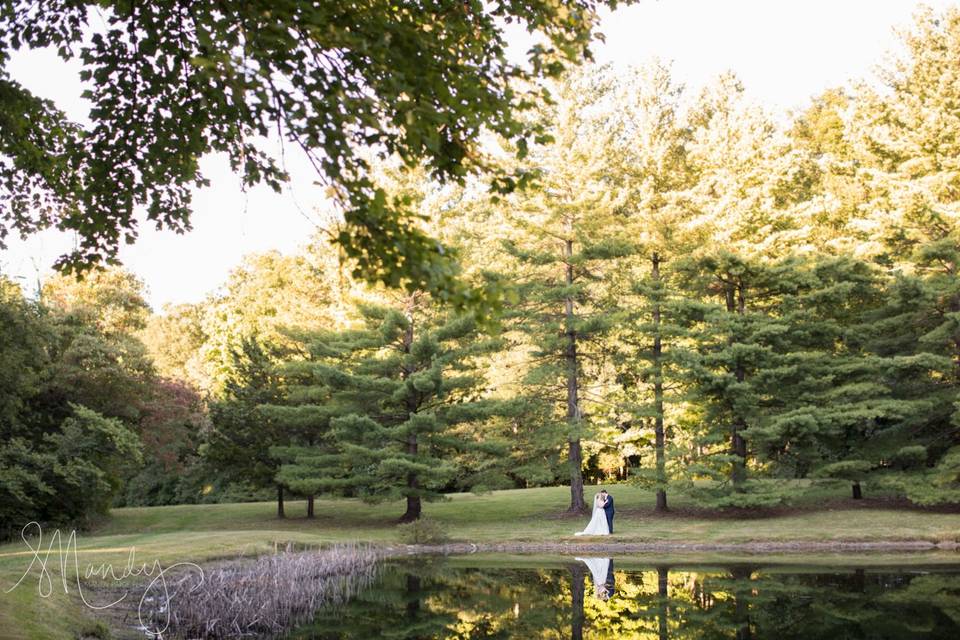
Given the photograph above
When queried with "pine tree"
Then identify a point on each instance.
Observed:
(724, 368)
(749, 180)
(753, 361)
(565, 243)
(238, 444)
(906, 333)
(389, 405)
(787, 383)
(650, 161)
(905, 145)
(647, 370)
(747, 205)
(839, 413)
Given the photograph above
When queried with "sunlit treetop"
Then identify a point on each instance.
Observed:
(169, 81)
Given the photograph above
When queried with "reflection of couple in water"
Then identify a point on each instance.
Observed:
(601, 570)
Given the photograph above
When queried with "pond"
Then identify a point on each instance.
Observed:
(601, 598)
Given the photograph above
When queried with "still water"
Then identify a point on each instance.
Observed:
(601, 598)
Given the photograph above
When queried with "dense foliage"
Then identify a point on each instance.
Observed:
(392, 409)
(169, 82)
(70, 405)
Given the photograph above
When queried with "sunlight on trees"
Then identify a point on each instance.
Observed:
(688, 293)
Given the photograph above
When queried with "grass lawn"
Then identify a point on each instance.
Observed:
(201, 532)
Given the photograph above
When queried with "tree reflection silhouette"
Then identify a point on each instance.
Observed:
(663, 598)
(577, 579)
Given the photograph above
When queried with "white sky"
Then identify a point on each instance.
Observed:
(783, 50)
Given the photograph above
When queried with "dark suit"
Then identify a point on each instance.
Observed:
(608, 511)
(610, 583)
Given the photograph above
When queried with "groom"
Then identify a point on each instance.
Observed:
(608, 508)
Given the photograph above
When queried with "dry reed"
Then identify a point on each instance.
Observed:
(267, 596)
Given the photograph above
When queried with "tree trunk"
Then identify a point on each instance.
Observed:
(414, 509)
(739, 448)
(310, 506)
(280, 501)
(857, 491)
(414, 505)
(577, 503)
(660, 443)
(738, 445)
(577, 589)
(955, 308)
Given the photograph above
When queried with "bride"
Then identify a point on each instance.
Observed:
(600, 572)
(598, 523)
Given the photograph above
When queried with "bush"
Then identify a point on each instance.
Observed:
(217, 493)
(910, 457)
(93, 629)
(423, 531)
(192, 484)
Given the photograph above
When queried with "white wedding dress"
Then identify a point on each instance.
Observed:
(598, 522)
(599, 567)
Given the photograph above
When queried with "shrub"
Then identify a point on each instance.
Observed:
(93, 629)
(423, 531)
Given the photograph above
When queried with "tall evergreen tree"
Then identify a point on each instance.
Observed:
(390, 405)
(842, 409)
(911, 333)
(650, 160)
(729, 355)
(565, 244)
(238, 443)
(905, 144)
(786, 381)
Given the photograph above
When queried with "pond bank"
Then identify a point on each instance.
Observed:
(799, 547)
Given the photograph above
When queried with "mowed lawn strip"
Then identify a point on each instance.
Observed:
(534, 515)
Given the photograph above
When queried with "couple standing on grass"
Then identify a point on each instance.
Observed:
(601, 523)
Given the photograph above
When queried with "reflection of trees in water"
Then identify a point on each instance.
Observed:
(578, 576)
(745, 603)
(663, 595)
(429, 601)
(426, 601)
(393, 608)
(858, 604)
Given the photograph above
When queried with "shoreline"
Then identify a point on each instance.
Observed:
(566, 548)
(451, 548)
